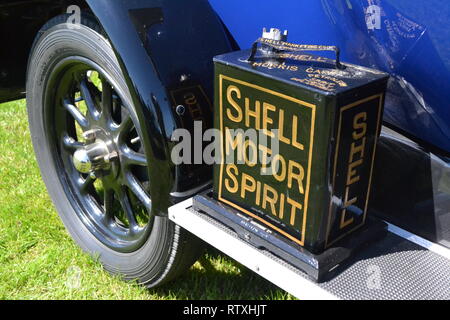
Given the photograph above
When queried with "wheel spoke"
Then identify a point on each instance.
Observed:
(89, 98)
(134, 158)
(70, 144)
(108, 201)
(76, 113)
(86, 184)
(136, 187)
(126, 206)
(126, 126)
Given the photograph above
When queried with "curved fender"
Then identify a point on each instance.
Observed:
(165, 48)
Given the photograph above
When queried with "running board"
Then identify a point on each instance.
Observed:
(392, 268)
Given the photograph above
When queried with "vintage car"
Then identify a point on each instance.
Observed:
(109, 82)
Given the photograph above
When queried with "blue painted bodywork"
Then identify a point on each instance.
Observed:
(409, 39)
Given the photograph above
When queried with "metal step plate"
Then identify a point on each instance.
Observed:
(392, 268)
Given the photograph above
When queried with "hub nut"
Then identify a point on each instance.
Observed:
(81, 161)
(93, 157)
(90, 135)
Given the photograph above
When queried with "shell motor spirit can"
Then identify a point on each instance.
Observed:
(322, 117)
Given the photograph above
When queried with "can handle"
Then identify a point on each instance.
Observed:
(287, 46)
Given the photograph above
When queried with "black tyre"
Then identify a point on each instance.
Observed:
(87, 141)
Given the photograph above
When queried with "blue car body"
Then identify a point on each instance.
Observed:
(409, 39)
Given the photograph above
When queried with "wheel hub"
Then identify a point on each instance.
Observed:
(98, 154)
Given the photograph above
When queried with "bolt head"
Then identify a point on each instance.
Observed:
(180, 110)
(90, 135)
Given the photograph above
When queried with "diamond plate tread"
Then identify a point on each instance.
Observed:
(392, 268)
(407, 272)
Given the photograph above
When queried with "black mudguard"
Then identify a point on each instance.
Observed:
(165, 48)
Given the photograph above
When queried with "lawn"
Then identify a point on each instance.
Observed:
(38, 259)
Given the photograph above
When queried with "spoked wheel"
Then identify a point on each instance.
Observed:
(88, 143)
(100, 152)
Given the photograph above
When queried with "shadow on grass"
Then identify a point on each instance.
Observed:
(215, 276)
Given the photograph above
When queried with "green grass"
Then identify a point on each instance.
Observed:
(38, 259)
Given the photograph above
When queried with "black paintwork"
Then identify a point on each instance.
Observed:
(19, 23)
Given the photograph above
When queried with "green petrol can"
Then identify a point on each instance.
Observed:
(324, 119)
